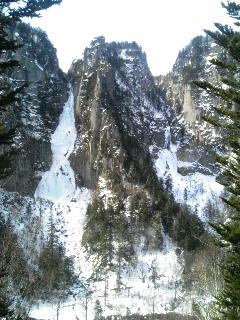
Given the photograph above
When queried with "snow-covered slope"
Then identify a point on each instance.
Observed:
(194, 189)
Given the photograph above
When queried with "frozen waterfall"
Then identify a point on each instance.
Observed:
(68, 203)
(59, 182)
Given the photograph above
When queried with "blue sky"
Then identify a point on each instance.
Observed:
(161, 27)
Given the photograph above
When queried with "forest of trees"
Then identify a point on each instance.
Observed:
(50, 279)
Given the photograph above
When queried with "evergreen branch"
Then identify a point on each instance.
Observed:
(215, 122)
(232, 203)
(224, 65)
(232, 83)
(234, 115)
(233, 9)
(224, 30)
(31, 8)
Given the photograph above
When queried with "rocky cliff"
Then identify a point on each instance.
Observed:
(190, 102)
(36, 116)
(125, 174)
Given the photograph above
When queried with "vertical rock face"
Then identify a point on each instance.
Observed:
(115, 104)
(190, 113)
(190, 102)
(36, 115)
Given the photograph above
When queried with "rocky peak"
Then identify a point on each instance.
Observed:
(115, 93)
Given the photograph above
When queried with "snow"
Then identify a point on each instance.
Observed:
(124, 54)
(167, 136)
(59, 198)
(38, 65)
(194, 189)
(153, 282)
(105, 193)
(137, 292)
(120, 82)
(68, 204)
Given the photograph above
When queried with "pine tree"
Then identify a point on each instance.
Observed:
(98, 310)
(15, 274)
(228, 299)
(56, 269)
(57, 274)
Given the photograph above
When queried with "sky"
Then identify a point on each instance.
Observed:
(161, 27)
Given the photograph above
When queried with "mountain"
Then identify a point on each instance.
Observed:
(113, 169)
